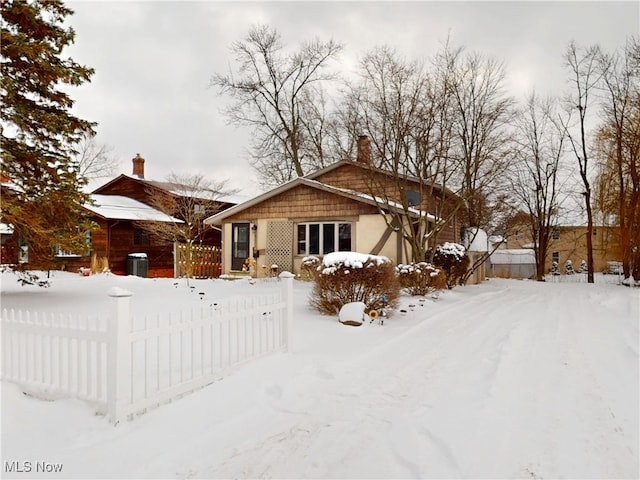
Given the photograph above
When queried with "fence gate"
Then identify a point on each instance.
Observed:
(279, 245)
(206, 261)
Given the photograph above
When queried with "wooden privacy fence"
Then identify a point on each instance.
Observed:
(206, 261)
(125, 365)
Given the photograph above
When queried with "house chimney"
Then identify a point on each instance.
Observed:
(364, 150)
(138, 166)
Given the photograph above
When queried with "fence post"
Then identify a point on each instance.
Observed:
(119, 355)
(287, 291)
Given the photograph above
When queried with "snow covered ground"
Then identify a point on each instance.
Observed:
(509, 379)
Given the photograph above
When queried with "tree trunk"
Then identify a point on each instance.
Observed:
(589, 236)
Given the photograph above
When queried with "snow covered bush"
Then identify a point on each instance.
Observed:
(344, 277)
(583, 267)
(568, 268)
(554, 269)
(420, 278)
(452, 258)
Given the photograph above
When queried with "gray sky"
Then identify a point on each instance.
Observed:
(154, 59)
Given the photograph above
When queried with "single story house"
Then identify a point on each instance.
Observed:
(332, 209)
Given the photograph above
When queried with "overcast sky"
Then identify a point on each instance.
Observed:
(153, 61)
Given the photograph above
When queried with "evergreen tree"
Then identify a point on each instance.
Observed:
(42, 196)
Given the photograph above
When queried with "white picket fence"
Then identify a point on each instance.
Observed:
(125, 365)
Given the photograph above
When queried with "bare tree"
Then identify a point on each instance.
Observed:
(584, 79)
(439, 135)
(399, 106)
(618, 148)
(95, 161)
(534, 179)
(272, 90)
(482, 111)
(190, 199)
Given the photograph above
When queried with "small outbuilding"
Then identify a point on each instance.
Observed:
(513, 263)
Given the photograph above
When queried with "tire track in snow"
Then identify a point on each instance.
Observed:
(456, 395)
(391, 372)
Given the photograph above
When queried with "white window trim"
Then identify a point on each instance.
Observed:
(336, 238)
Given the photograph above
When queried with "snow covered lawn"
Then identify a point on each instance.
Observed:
(509, 379)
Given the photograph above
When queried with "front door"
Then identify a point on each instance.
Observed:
(240, 245)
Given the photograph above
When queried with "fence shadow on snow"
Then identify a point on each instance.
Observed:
(124, 365)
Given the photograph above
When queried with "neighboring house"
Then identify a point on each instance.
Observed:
(120, 208)
(136, 186)
(329, 210)
(160, 254)
(119, 235)
(116, 236)
(570, 243)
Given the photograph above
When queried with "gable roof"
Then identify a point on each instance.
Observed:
(306, 181)
(370, 168)
(118, 207)
(169, 187)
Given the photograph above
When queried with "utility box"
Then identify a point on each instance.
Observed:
(137, 264)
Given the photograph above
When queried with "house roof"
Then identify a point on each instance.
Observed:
(306, 181)
(173, 188)
(371, 168)
(118, 207)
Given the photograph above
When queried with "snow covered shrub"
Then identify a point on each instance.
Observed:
(568, 268)
(420, 278)
(583, 267)
(344, 277)
(554, 269)
(452, 258)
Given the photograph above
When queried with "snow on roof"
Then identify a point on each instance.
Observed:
(475, 240)
(382, 202)
(235, 198)
(117, 207)
(513, 256)
(179, 190)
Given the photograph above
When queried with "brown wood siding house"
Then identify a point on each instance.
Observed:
(121, 205)
(119, 235)
(136, 186)
(329, 210)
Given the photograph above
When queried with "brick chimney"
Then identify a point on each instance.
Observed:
(138, 166)
(364, 150)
